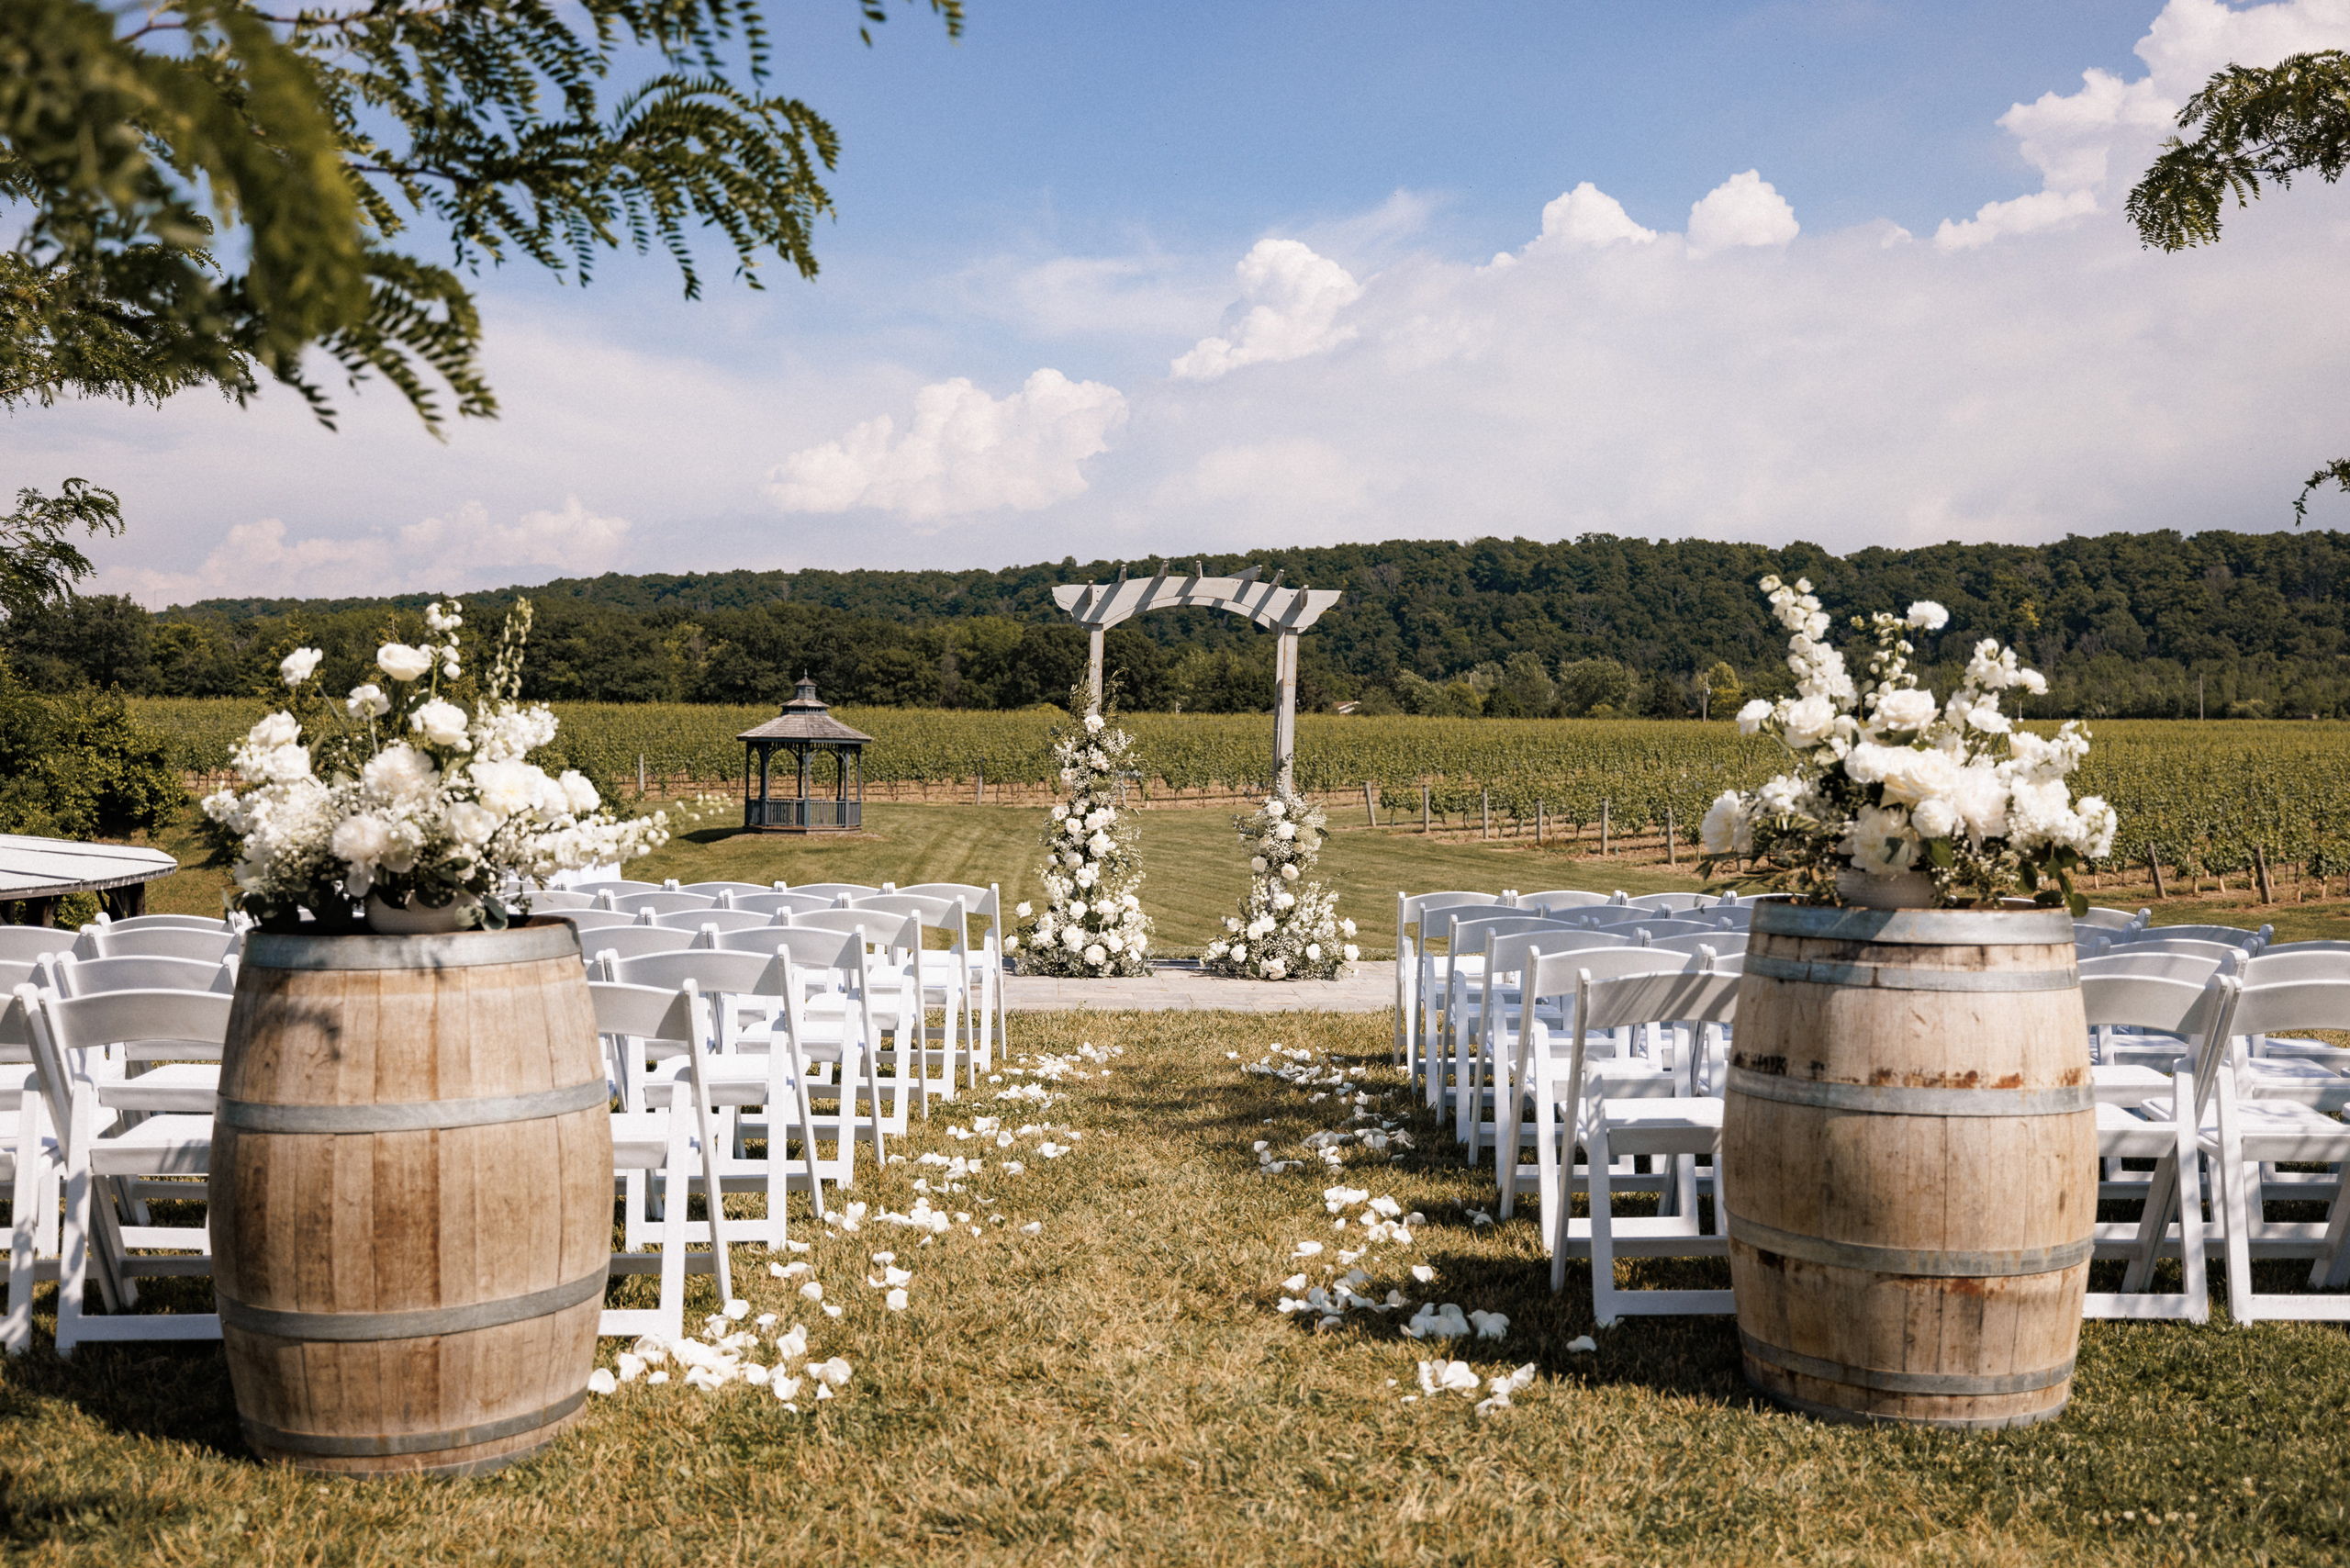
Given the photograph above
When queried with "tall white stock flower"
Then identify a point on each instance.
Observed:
(2098, 825)
(299, 666)
(1980, 797)
(401, 773)
(1928, 616)
(582, 798)
(360, 842)
(286, 763)
(403, 663)
(442, 722)
(367, 701)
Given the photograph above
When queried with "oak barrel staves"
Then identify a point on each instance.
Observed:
(411, 1197)
(1909, 1151)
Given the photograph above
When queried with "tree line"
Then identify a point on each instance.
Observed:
(2144, 625)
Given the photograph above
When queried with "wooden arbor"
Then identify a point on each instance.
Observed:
(806, 734)
(1284, 612)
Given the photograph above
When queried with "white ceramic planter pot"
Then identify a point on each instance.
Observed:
(1907, 889)
(459, 914)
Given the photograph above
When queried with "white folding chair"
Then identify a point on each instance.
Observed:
(1678, 1130)
(2110, 919)
(636, 941)
(1480, 1008)
(1434, 975)
(834, 890)
(2251, 1133)
(103, 1150)
(157, 942)
(1554, 900)
(720, 890)
(779, 905)
(88, 977)
(1670, 901)
(1410, 1008)
(32, 1162)
(163, 923)
(2195, 1012)
(28, 944)
(1538, 1071)
(775, 1081)
(673, 1132)
(941, 978)
(985, 959)
(663, 900)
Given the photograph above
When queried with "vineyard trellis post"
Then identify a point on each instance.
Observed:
(1284, 612)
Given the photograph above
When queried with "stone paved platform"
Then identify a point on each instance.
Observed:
(1183, 987)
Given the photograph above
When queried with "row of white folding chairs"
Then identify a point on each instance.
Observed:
(1422, 921)
(83, 1149)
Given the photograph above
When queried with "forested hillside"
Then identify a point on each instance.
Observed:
(2124, 625)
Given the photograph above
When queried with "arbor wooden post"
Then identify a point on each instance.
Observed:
(1093, 669)
(1285, 708)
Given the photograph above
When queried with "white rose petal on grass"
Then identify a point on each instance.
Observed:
(1032, 1228)
(786, 1387)
(738, 1309)
(831, 1311)
(1307, 1249)
(757, 1376)
(1422, 1272)
(657, 1377)
(602, 1381)
(895, 1301)
(813, 1291)
(1489, 1325)
(1294, 1282)
(1581, 1344)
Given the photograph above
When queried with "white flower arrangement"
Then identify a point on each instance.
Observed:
(409, 800)
(1888, 781)
(1288, 927)
(1093, 925)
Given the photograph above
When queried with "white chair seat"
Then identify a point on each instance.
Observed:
(2121, 1086)
(189, 1088)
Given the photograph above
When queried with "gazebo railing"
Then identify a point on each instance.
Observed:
(803, 814)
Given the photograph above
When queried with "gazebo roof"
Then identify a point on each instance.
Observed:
(805, 719)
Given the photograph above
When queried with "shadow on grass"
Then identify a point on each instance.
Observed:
(171, 1392)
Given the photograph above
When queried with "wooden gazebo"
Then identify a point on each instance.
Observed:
(806, 734)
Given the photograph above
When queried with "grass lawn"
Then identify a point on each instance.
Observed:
(1121, 1388)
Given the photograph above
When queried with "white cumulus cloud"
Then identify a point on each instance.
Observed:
(1743, 210)
(1293, 295)
(1589, 216)
(966, 452)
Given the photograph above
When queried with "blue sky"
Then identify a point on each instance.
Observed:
(1130, 279)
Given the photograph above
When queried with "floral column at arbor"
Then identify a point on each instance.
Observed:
(1093, 925)
(406, 801)
(1288, 927)
(1898, 801)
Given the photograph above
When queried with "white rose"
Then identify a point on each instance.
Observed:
(1935, 818)
(1980, 797)
(1928, 616)
(299, 666)
(1257, 863)
(1113, 941)
(471, 823)
(287, 764)
(1239, 952)
(361, 842)
(1352, 952)
(1059, 811)
(1911, 776)
(1285, 900)
(578, 792)
(1753, 716)
(400, 772)
(1288, 873)
(507, 787)
(1726, 829)
(1072, 938)
(401, 662)
(367, 701)
(1099, 844)
(1093, 724)
(1275, 968)
(442, 722)
(2098, 825)
(1880, 841)
(1021, 911)
(1275, 809)
(1076, 909)
(279, 729)
(1314, 952)
(1286, 830)
(1347, 927)
(1095, 956)
(1810, 722)
(1910, 710)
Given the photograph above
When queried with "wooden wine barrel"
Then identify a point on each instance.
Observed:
(1909, 1151)
(411, 1197)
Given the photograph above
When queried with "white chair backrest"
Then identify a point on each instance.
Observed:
(2199, 1011)
(648, 1012)
(636, 941)
(2226, 936)
(2272, 965)
(1436, 925)
(1723, 944)
(1471, 934)
(2129, 961)
(2215, 950)
(1671, 901)
(723, 919)
(1561, 897)
(1506, 954)
(714, 888)
(1661, 928)
(593, 919)
(662, 901)
(205, 946)
(811, 948)
(88, 977)
(23, 943)
(163, 923)
(942, 915)
(986, 903)
(785, 903)
(831, 889)
(77, 1024)
(2107, 919)
(2273, 1008)
(551, 900)
(1690, 995)
(615, 886)
(714, 974)
(13, 974)
(880, 927)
